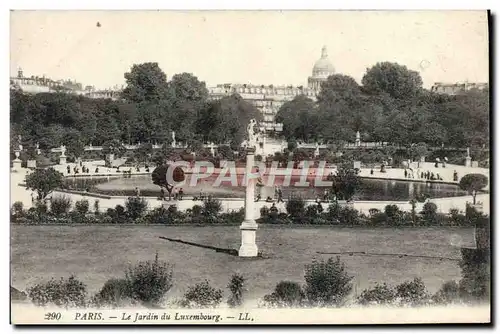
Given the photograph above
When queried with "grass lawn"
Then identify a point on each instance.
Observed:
(96, 253)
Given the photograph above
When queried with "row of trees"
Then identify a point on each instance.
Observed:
(389, 106)
(150, 110)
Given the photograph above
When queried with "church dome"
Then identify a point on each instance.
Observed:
(323, 67)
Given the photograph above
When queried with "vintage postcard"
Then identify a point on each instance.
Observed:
(249, 167)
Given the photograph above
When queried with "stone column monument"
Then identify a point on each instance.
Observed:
(468, 159)
(358, 139)
(249, 226)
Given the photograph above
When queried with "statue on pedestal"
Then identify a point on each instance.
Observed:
(173, 139)
(212, 151)
(63, 150)
(252, 134)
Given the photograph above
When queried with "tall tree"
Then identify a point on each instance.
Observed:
(299, 118)
(396, 80)
(145, 82)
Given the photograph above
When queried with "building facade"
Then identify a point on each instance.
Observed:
(268, 99)
(35, 85)
(457, 88)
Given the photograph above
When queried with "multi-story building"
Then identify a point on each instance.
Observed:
(457, 88)
(35, 85)
(269, 98)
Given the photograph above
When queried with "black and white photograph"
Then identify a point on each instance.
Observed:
(250, 167)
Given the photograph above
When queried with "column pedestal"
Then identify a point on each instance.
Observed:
(468, 162)
(62, 160)
(249, 226)
(16, 164)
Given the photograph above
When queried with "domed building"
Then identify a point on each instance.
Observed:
(322, 69)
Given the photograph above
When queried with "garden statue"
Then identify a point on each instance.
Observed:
(212, 151)
(252, 135)
(63, 150)
(173, 139)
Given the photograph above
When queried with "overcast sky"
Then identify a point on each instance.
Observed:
(265, 47)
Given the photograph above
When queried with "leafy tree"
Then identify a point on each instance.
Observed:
(419, 150)
(473, 183)
(224, 121)
(345, 183)
(44, 181)
(145, 82)
(159, 177)
(114, 147)
(393, 79)
(338, 87)
(299, 118)
(74, 144)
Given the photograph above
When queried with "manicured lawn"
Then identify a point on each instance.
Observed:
(96, 253)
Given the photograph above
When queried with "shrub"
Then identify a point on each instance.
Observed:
(18, 208)
(202, 295)
(41, 207)
(158, 216)
(115, 293)
(378, 219)
(16, 295)
(381, 294)
(149, 281)
(348, 216)
(63, 293)
(264, 212)
(429, 213)
(448, 293)
(60, 205)
(233, 217)
(286, 294)
(82, 206)
(135, 207)
(236, 288)
(333, 212)
(211, 207)
(475, 282)
(412, 293)
(312, 211)
(96, 207)
(295, 207)
(327, 282)
(393, 214)
(196, 210)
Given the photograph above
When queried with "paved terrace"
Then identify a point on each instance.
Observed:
(20, 193)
